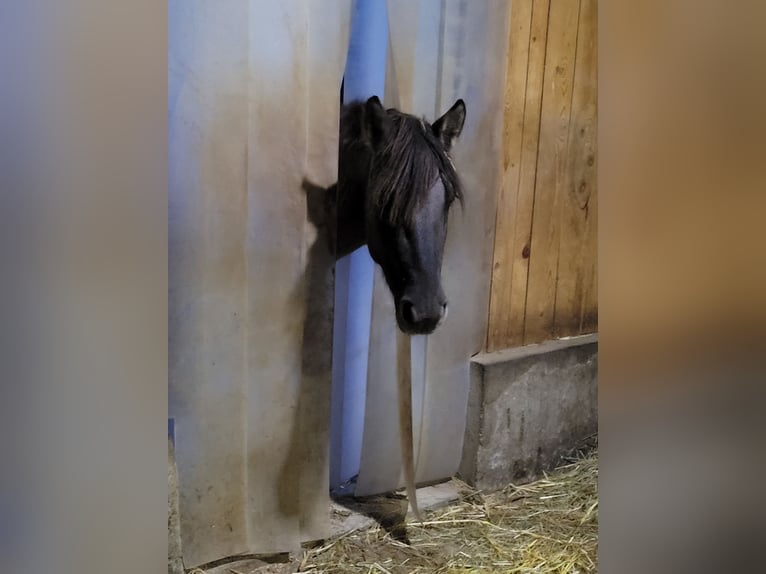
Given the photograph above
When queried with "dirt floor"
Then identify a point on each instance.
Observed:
(547, 526)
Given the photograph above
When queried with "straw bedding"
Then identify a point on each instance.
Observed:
(547, 526)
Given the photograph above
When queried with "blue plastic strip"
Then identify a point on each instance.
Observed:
(365, 76)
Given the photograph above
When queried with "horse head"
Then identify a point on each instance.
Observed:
(411, 186)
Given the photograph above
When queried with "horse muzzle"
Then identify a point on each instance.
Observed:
(420, 318)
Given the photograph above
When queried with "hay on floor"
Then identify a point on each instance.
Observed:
(548, 526)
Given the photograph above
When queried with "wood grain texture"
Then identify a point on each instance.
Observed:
(589, 308)
(577, 256)
(513, 131)
(551, 170)
(509, 283)
(516, 80)
(544, 275)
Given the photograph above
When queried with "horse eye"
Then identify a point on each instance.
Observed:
(406, 237)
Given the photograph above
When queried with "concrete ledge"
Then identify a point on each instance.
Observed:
(505, 355)
(527, 408)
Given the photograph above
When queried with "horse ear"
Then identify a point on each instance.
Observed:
(449, 126)
(376, 121)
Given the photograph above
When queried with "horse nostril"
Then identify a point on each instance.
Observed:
(444, 310)
(408, 311)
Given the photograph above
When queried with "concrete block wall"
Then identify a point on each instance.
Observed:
(529, 407)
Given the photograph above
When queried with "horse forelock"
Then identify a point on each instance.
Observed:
(408, 166)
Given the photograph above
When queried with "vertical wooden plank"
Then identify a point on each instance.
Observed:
(577, 225)
(551, 169)
(516, 79)
(575, 258)
(513, 131)
(589, 306)
(511, 306)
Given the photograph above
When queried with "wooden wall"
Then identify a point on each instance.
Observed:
(544, 275)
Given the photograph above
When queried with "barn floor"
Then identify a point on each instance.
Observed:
(550, 525)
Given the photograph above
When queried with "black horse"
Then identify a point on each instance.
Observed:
(396, 184)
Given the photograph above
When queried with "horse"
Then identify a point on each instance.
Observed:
(396, 184)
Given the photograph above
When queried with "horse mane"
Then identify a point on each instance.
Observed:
(406, 167)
